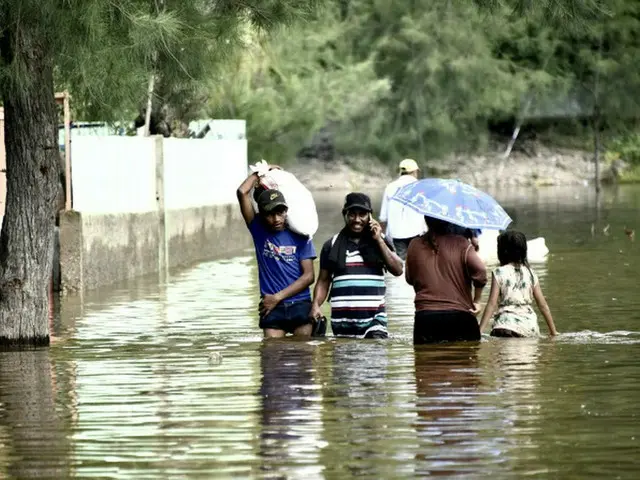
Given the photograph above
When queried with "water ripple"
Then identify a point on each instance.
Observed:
(175, 381)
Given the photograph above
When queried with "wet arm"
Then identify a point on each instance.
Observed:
(477, 294)
(408, 272)
(321, 290)
(544, 309)
(304, 281)
(492, 304)
(478, 273)
(244, 197)
(391, 260)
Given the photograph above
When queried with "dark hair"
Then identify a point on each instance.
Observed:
(512, 248)
(467, 233)
(437, 228)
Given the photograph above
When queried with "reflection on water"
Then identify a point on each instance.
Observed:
(399, 305)
(458, 424)
(34, 417)
(127, 391)
(290, 440)
(356, 403)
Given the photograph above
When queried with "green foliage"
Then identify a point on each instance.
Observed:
(105, 51)
(428, 78)
(388, 77)
(631, 175)
(568, 15)
(290, 87)
(599, 60)
(446, 83)
(625, 147)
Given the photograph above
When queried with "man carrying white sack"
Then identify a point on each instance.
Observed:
(403, 224)
(285, 262)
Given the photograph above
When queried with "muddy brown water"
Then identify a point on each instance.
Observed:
(128, 389)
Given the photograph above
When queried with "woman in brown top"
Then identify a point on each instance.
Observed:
(442, 266)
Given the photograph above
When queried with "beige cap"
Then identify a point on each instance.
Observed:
(408, 165)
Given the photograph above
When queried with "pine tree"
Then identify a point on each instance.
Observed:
(299, 82)
(105, 52)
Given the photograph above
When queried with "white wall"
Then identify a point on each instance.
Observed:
(113, 174)
(202, 172)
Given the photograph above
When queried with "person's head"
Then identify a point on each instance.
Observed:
(442, 227)
(408, 166)
(470, 234)
(273, 208)
(512, 248)
(453, 229)
(435, 229)
(357, 212)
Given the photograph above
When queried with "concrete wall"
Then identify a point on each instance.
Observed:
(200, 182)
(146, 204)
(114, 175)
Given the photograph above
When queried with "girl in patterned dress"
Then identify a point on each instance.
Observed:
(514, 286)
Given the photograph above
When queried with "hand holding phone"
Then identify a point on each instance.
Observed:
(376, 229)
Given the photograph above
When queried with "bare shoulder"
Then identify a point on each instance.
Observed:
(416, 242)
(455, 242)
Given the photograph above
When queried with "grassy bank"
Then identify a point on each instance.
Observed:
(631, 175)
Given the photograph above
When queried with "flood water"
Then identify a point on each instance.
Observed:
(129, 388)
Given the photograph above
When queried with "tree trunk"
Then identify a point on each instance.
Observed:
(344, 9)
(26, 241)
(596, 149)
(147, 113)
(596, 118)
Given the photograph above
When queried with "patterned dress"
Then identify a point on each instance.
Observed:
(515, 311)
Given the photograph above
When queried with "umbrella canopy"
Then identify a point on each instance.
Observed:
(454, 202)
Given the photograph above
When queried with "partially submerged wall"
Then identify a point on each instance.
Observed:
(146, 204)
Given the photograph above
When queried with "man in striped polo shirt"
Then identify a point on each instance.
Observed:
(352, 265)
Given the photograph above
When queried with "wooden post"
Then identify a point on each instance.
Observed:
(64, 98)
(68, 205)
(163, 249)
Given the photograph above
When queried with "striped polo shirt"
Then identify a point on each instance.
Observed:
(357, 293)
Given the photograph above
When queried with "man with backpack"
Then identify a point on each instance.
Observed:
(352, 266)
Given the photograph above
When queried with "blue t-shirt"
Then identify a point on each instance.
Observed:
(279, 255)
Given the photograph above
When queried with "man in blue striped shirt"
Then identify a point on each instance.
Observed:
(352, 265)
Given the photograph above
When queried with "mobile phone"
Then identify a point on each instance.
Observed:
(368, 226)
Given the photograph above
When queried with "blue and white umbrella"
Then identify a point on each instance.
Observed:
(454, 202)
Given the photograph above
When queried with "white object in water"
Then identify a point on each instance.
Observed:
(537, 250)
(302, 216)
